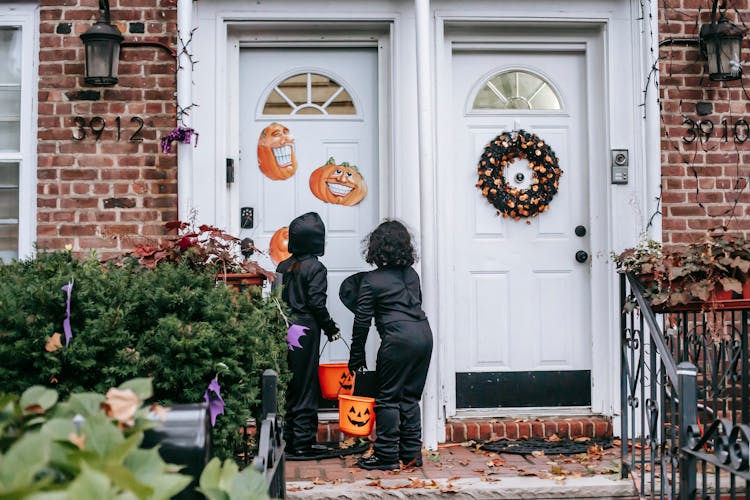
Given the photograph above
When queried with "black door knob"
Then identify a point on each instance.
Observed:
(582, 256)
(580, 231)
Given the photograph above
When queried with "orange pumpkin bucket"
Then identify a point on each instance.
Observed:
(356, 415)
(335, 379)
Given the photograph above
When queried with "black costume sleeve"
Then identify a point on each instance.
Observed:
(317, 296)
(362, 319)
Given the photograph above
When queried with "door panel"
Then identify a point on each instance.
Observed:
(317, 137)
(527, 316)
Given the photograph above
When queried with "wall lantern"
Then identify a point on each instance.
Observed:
(721, 42)
(102, 45)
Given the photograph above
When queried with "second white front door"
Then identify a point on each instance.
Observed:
(522, 335)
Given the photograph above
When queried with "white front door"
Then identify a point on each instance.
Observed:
(522, 333)
(327, 101)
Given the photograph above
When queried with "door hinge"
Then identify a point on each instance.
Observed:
(230, 170)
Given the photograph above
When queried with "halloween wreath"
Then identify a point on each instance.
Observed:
(514, 188)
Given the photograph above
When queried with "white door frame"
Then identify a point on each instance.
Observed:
(456, 30)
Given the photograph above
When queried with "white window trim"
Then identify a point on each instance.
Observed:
(25, 15)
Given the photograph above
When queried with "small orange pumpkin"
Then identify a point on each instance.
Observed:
(278, 248)
(276, 155)
(338, 184)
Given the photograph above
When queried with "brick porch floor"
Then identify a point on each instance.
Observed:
(463, 473)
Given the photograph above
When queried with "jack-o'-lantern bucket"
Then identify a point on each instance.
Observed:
(356, 415)
(335, 379)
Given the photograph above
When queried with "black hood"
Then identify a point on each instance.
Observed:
(307, 235)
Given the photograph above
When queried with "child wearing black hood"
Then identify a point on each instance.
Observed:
(305, 283)
(391, 294)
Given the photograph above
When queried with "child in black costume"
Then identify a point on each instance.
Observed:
(305, 284)
(392, 295)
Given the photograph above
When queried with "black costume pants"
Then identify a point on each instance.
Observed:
(403, 360)
(301, 419)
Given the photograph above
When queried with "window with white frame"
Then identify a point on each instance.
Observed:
(17, 131)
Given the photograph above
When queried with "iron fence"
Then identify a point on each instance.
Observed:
(684, 396)
(270, 457)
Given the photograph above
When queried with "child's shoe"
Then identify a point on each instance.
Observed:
(312, 450)
(374, 463)
(415, 461)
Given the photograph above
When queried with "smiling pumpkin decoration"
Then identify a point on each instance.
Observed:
(276, 156)
(278, 248)
(340, 184)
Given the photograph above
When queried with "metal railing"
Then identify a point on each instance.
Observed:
(270, 458)
(684, 396)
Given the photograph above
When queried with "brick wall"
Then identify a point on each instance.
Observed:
(704, 183)
(105, 194)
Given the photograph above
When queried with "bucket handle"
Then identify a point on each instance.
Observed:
(327, 342)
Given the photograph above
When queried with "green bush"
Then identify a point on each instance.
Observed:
(171, 323)
(81, 448)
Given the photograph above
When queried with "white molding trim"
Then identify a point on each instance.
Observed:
(26, 16)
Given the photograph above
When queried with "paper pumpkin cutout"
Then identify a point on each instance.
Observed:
(338, 184)
(278, 248)
(276, 156)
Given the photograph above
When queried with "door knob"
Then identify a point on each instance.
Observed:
(580, 231)
(582, 256)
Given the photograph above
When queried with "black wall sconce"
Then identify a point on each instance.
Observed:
(721, 43)
(102, 45)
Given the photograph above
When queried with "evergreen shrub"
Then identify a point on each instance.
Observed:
(172, 323)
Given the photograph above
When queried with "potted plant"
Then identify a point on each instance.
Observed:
(208, 247)
(706, 271)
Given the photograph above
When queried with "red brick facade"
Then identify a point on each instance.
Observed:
(704, 182)
(105, 194)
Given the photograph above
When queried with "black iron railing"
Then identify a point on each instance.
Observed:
(270, 457)
(684, 396)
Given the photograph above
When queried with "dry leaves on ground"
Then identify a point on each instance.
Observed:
(53, 343)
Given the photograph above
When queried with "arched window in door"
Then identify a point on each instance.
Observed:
(309, 93)
(516, 90)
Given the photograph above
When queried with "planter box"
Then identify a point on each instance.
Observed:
(240, 281)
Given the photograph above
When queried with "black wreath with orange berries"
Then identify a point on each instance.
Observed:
(511, 201)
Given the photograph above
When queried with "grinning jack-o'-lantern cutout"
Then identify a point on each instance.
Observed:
(346, 382)
(276, 156)
(278, 248)
(338, 184)
(357, 417)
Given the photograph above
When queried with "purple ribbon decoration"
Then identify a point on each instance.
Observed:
(214, 400)
(68, 289)
(179, 134)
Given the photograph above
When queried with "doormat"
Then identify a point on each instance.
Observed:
(529, 446)
(335, 449)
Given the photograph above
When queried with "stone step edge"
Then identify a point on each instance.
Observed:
(461, 430)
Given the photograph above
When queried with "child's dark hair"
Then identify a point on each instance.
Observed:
(389, 244)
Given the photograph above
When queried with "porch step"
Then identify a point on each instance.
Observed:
(460, 430)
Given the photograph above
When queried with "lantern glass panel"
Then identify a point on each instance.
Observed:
(723, 54)
(101, 58)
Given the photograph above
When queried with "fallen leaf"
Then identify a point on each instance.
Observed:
(537, 453)
(159, 411)
(79, 441)
(53, 343)
(554, 438)
(449, 488)
(582, 439)
(121, 405)
(318, 481)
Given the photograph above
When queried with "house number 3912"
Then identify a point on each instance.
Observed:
(703, 130)
(96, 126)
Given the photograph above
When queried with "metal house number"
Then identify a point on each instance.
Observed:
(703, 130)
(97, 125)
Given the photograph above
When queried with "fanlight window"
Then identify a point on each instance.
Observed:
(309, 94)
(516, 90)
